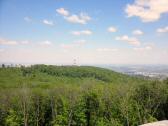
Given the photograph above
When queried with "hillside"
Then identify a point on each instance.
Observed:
(78, 96)
(52, 75)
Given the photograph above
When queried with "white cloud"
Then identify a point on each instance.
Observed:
(27, 19)
(162, 30)
(107, 49)
(13, 42)
(7, 42)
(25, 42)
(147, 10)
(82, 18)
(80, 42)
(84, 32)
(137, 32)
(85, 17)
(77, 43)
(112, 29)
(47, 22)
(62, 11)
(146, 48)
(130, 40)
(46, 43)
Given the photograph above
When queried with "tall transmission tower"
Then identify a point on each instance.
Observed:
(74, 62)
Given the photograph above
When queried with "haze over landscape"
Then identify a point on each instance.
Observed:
(83, 62)
(90, 31)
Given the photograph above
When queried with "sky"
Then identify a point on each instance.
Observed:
(84, 31)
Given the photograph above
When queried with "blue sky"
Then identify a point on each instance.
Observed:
(90, 31)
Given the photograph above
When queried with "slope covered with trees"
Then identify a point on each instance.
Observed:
(43, 95)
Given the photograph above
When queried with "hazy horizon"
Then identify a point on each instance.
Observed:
(78, 64)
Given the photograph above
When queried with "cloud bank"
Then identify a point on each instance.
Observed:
(147, 10)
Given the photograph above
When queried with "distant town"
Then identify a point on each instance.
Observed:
(147, 71)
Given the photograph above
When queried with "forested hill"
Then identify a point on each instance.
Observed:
(75, 72)
(48, 74)
(97, 73)
(45, 95)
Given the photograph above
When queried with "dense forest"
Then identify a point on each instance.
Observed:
(45, 95)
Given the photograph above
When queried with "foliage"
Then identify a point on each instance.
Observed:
(42, 95)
